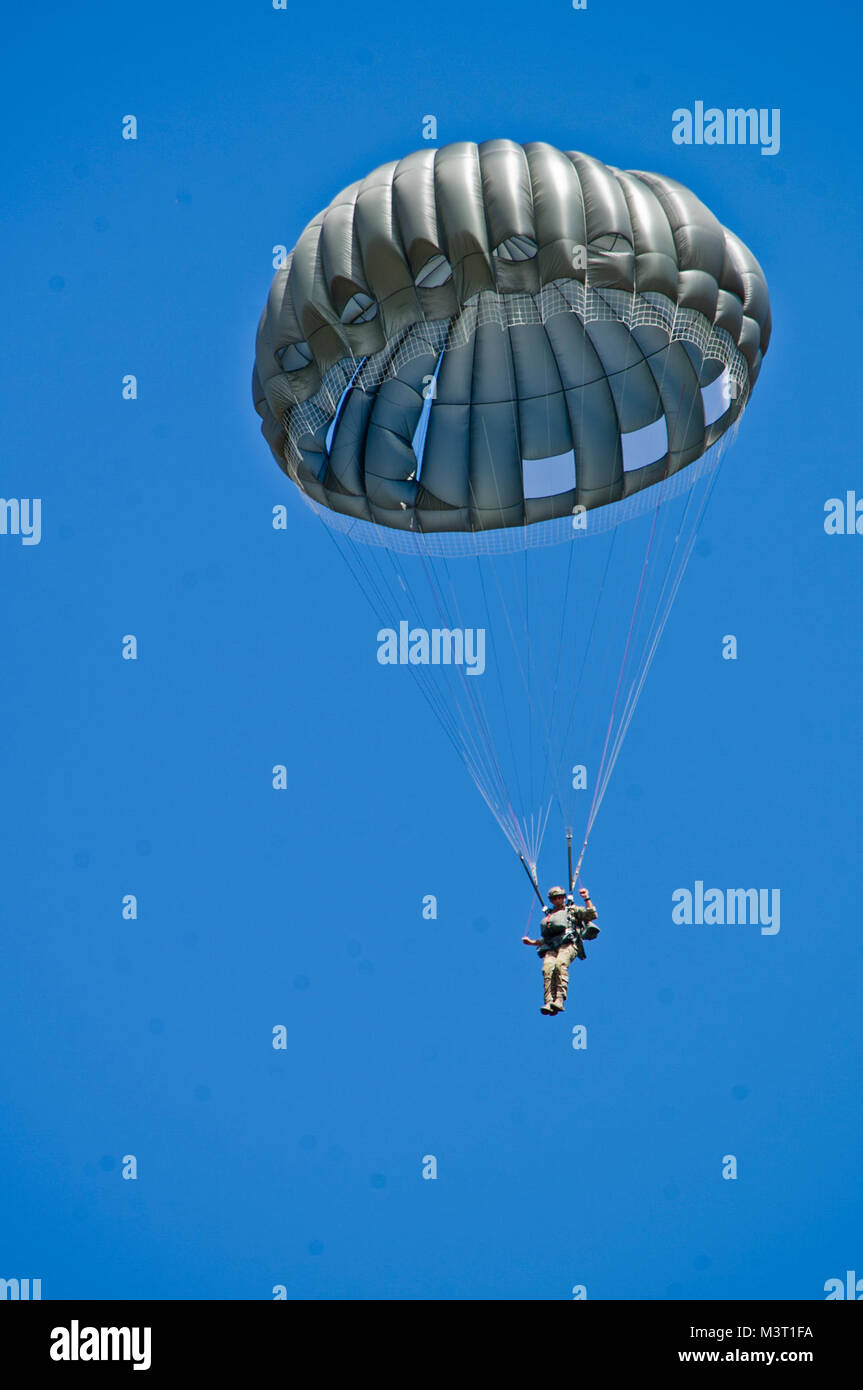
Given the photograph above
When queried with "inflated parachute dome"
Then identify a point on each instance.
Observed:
(489, 338)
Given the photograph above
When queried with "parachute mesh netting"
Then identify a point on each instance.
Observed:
(319, 416)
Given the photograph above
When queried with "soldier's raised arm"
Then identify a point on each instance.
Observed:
(584, 894)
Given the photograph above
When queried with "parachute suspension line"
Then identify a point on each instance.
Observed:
(529, 646)
(529, 917)
(604, 770)
(526, 644)
(483, 768)
(551, 766)
(475, 693)
(585, 659)
(589, 643)
(598, 657)
(663, 612)
(479, 717)
(605, 656)
(541, 827)
(540, 778)
(438, 708)
(517, 649)
(660, 618)
(574, 703)
(461, 738)
(684, 544)
(503, 701)
(465, 743)
(534, 698)
(507, 819)
(370, 587)
(553, 763)
(537, 827)
(619, 406)
(479, 763)
(594, 805)
(522, 829)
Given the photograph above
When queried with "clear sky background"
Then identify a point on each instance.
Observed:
(406, 1037)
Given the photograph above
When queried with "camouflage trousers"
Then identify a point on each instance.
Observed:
(555, 974)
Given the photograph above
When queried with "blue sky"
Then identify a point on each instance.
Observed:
(405, 1037)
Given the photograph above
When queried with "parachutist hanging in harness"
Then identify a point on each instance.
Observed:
(565, 928)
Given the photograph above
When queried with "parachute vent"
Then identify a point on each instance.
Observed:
(549, 477)
(645, 446)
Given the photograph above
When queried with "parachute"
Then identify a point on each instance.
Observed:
(503, 378)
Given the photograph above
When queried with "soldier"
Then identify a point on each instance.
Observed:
(563, 927)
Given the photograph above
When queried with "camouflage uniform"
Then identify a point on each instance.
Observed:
(561, 943)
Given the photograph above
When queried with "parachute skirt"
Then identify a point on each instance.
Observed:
(594, 396)
(512, 540)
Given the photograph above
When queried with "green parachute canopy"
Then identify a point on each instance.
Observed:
(487, 336)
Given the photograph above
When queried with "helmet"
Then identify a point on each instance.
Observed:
(557, 892)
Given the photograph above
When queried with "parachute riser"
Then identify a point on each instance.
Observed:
(578, 866)
(533, 881)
